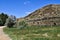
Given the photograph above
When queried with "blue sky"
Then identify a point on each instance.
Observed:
(21, 8)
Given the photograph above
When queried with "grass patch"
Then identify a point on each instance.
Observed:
(34, 33)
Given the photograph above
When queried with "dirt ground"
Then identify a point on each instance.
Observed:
(3, 36)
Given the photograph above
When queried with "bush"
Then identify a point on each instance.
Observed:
(22, 24)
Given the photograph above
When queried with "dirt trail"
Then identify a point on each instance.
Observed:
(3, 36)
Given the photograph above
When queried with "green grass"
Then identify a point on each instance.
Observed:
(34, 33)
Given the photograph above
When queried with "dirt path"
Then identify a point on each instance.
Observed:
(3, 36)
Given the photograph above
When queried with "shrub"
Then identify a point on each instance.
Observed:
(22, 24)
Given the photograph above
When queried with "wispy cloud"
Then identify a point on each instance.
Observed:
(27, 13)
(26, 2)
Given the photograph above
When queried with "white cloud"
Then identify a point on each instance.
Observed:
(26, 2)
(28, 13)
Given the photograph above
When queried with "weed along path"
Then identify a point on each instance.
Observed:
(3, 36)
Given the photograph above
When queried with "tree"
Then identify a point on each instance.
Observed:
(3, 17)
(11, 20)
(1, 22)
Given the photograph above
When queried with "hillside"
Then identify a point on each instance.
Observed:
(45, 11)
(47, 15)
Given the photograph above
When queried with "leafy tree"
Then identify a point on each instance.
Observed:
(3, 17)
(1, 22)
(11, 20)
